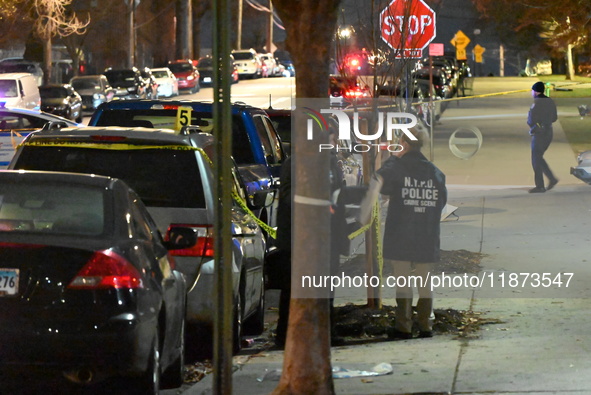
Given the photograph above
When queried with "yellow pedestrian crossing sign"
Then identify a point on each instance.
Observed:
(460, 40)
(478, 51)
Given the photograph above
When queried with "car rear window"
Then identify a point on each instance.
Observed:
(161, 177)
(242, 55)
(166, 119)
(52, 208)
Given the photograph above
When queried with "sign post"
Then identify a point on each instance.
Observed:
(434, 50)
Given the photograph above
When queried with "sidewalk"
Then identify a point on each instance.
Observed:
(542, 342)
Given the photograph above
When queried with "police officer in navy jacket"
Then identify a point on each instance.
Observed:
(417, 195)
(540, 118)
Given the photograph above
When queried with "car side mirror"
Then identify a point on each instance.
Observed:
(180, 238)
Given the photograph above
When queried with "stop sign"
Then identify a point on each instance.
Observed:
(407, 26)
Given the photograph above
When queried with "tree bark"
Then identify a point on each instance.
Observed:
(47, 60)
(310, 27)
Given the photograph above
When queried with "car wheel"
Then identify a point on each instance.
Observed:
(149, 382)
(237, 326)
(174, 375)
(255, 325)
(79, 119)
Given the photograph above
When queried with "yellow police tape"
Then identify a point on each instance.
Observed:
(498, 93)
(126, 147)
(375, 221)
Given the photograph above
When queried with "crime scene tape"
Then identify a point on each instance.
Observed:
(12, 138)
(498, 93)
(126, 147)
(375, 221)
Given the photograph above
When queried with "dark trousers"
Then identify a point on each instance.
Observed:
(284, 298)
(539, 144)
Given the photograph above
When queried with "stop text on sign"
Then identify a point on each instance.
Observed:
(416, 24)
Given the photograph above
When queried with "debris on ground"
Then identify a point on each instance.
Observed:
(197, 370)
(359, 322)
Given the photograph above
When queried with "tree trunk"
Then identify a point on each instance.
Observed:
(200, 7)
(570, 68)
(184, 42)
(47, 59)
(306, 369)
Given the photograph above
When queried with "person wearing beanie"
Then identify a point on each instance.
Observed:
(540, 118)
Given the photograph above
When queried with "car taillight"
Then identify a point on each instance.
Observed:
(204, 245)
(353, 93)
(107, 269)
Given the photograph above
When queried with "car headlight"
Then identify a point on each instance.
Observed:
(97, 96)
(132, 89)
(190, 78)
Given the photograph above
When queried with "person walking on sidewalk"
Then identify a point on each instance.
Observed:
(417, 195)
(540, 118)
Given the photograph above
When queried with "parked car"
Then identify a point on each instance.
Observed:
(17, 123)
(346, 90)
(19, 90)
(248, 63)
(187, 75)
(88, 291)
(167, 83)
(61, 99)
(151, 83)
(256, 146)
(284, 59)
(441, 83)
(175, 181)
(205, 66)
(271, 68)
(94, 90)
(20, 65)
(128, 83)
(583, 169)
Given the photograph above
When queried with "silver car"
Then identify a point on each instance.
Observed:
(94, 90)
(174, 178)
(583, 170)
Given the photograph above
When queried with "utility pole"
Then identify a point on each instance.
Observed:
(270, 31)
(239, 32)
(184, 13)
(501, 61)
(131, 30)
(222, 120)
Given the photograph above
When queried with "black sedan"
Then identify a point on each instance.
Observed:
(87, 289)
(61, 99)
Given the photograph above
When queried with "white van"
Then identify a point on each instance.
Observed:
(19, 90)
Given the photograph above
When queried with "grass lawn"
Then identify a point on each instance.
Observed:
(576, 128)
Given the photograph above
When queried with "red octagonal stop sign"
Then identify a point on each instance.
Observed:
(407, 26)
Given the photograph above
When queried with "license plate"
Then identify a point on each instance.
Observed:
(207, 80)
(8, 282)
